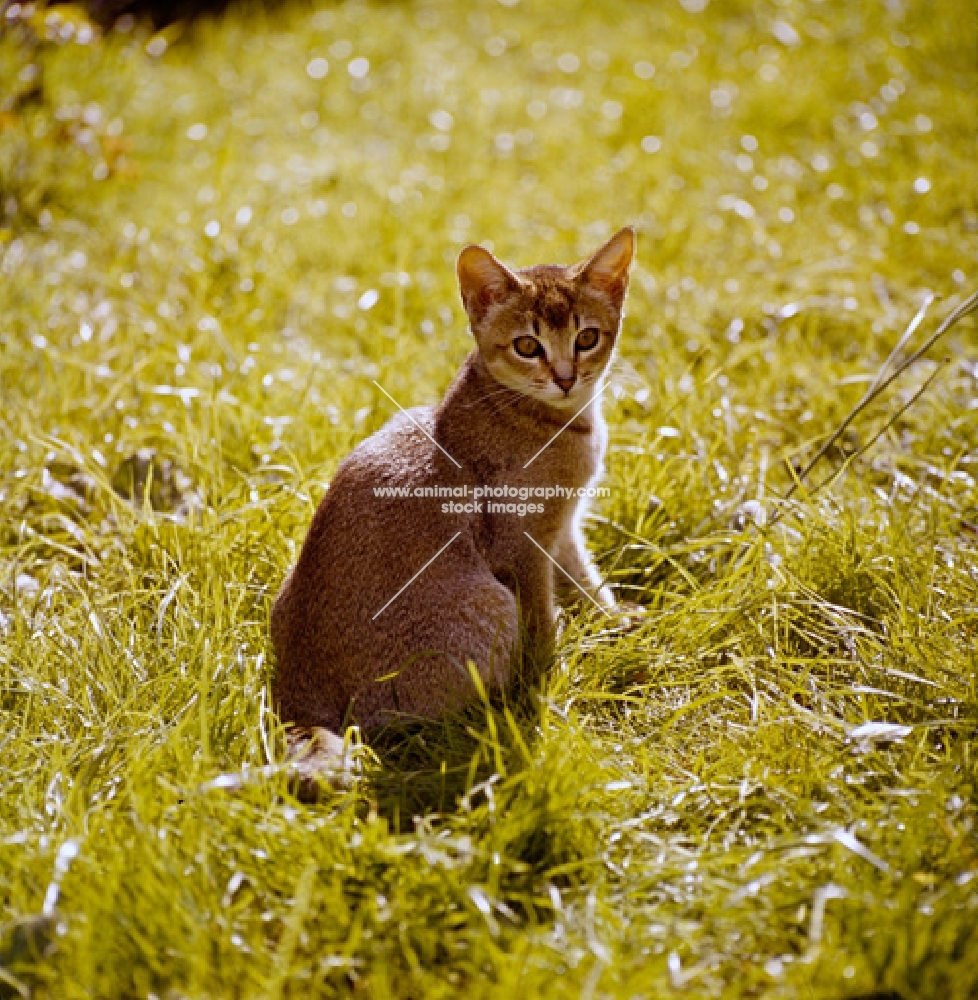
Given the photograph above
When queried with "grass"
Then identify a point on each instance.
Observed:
(192, 224)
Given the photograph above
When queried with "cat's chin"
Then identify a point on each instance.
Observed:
(566, 404)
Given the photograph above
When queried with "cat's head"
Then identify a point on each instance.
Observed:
(548, 331)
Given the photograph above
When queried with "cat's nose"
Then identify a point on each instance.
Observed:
(566, 382)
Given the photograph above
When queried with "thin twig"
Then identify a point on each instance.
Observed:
(969, 305)
(871, 393)
(880, 384)
(889, 423)
(904, 340)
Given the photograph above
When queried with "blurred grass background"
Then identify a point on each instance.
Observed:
(214, 236)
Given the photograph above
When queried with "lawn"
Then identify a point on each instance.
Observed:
(215, 239)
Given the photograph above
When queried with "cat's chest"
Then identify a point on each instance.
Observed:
(556, 467)
(539, 494)
(570, 458)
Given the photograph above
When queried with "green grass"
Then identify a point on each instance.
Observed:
(183, 361)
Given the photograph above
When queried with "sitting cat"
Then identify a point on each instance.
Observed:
(392, 597)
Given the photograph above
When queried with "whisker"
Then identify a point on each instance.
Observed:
(509, 403)
(490, 395)
(624, 373)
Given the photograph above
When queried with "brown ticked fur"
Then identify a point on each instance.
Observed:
(339, 662)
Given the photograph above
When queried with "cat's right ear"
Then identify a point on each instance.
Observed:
(607, 268)
(483, 281)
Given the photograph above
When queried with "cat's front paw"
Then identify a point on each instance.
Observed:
(628, 615)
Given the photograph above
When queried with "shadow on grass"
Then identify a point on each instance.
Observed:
(442, 765)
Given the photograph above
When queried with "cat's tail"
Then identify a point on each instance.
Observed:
(318, 760)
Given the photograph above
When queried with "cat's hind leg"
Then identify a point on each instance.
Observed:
(436, 630)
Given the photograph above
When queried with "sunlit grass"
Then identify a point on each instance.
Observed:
(212, 241)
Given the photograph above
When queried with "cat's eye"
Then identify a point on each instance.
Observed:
(587, 339)
(527, 347)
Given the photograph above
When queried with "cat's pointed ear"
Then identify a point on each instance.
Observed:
(483, 281)
(607, 268)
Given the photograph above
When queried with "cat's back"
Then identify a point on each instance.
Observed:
(368, 522)
(397, 455)
(371, 533)
(368, 497)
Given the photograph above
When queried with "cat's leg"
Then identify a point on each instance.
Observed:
(573, 555)
(456, 614)
(529, 574)
(574, 559)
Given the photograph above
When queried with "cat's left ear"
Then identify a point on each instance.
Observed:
(483, 280)
(606, 270)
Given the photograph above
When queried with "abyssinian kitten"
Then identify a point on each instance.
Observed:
(348, 649)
